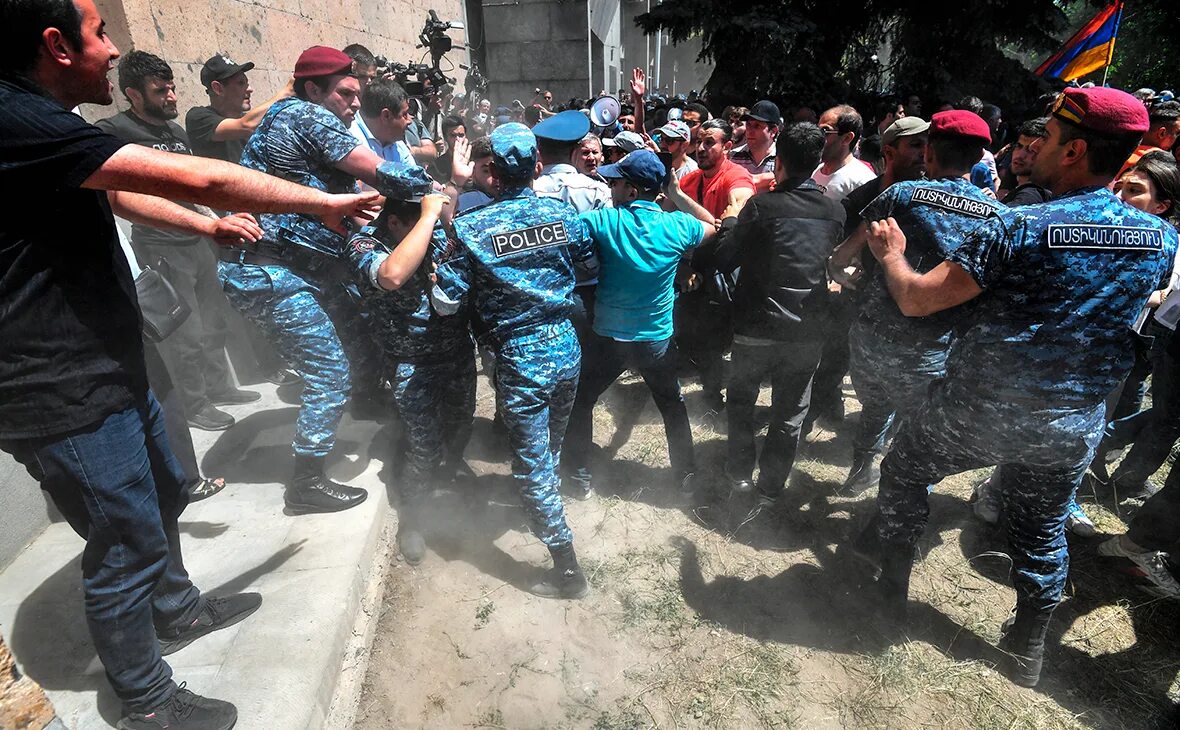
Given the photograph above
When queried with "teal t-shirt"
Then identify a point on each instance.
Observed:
(639, 246)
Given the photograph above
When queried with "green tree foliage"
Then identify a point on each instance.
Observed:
(803, 51)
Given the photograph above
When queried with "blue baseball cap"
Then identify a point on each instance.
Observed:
(641, 168)
(398, 181)
(568, 126)
(514, 148)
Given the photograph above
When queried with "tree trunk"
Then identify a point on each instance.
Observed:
(23, 704)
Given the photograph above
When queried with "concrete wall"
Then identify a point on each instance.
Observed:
(270, 33)
(535, 43)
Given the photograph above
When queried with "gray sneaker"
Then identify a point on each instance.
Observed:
(1152, 563)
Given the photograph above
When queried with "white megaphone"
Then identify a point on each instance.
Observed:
(605, 110)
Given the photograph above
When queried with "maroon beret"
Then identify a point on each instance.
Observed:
(961, 123)
(1102, 110)
(322, 61)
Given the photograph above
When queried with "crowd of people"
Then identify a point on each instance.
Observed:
(991, 289)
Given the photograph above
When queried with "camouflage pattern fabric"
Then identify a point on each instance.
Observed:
(536, 381)
(436, 402)
(1042, 453)
(894, 358)
(1026, 381)
(405, 325)
(515, 259)
(286, 307)
(516, 256)
(301, 142)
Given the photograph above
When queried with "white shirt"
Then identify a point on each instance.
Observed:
(840, 183)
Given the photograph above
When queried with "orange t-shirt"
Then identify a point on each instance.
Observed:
(713, 193)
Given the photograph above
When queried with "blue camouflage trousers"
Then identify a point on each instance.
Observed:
(536, 381)
(436, 402)
(293, 315)
(1042, 453)
(891, 381)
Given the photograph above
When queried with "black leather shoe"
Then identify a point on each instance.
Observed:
(234, 397)
(211, 419)
(322, 495)
(218, 613)
(184, 710)
(864, 475)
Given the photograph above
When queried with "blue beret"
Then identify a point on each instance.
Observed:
(568, 126)
(398, 181)
(514, 148)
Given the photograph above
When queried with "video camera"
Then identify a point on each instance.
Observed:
(421, 79)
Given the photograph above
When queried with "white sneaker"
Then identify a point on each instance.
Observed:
(1078, 522)
(1153, 563)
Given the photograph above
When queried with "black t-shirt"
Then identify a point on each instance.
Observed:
(200, 123)
(857, 200)
(1026, 194)
(72, 352)
(168, 137)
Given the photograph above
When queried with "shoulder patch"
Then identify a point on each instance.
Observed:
(960, 204)
(524, 239)
(1108, 238)
(362, 244)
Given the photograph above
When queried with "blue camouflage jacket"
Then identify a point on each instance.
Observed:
(301, 142)
(516, 256)
(407, 328)
(1063, 284)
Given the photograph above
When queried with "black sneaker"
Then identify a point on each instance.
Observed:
(234, 397)
(184, 710)
(218, 613)
(210, 419)
(281, 377)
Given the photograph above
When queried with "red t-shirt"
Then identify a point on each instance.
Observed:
(713, 192)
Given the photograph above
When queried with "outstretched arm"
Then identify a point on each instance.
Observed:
(244, 126)
(918, 295)
(150, 210)
(222, 185)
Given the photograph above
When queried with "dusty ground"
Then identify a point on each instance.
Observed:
(700, 618)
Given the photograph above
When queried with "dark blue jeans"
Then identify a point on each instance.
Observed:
(119, 486)
(604, 363)
(790, 367)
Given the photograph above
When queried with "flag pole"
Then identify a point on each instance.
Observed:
(1110, 56)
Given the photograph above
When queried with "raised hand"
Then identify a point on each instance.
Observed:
(638, 83)
(461, 165)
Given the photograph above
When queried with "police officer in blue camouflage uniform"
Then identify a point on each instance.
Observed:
(429, 358)
(515, 258)
(291, 283)
(895, 358)
(1057, 288)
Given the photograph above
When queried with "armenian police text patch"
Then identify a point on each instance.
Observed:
(954, 203)
(525, 239)
(1114, 238)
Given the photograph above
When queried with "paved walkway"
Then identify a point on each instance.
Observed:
(282, 665)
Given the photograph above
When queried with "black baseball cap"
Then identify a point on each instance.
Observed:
(220, 68)
(766, 112)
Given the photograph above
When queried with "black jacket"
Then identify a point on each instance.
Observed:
(781, 242)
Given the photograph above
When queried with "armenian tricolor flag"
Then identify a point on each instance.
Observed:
(1088, 50)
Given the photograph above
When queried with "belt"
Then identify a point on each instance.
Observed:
(249, 258)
